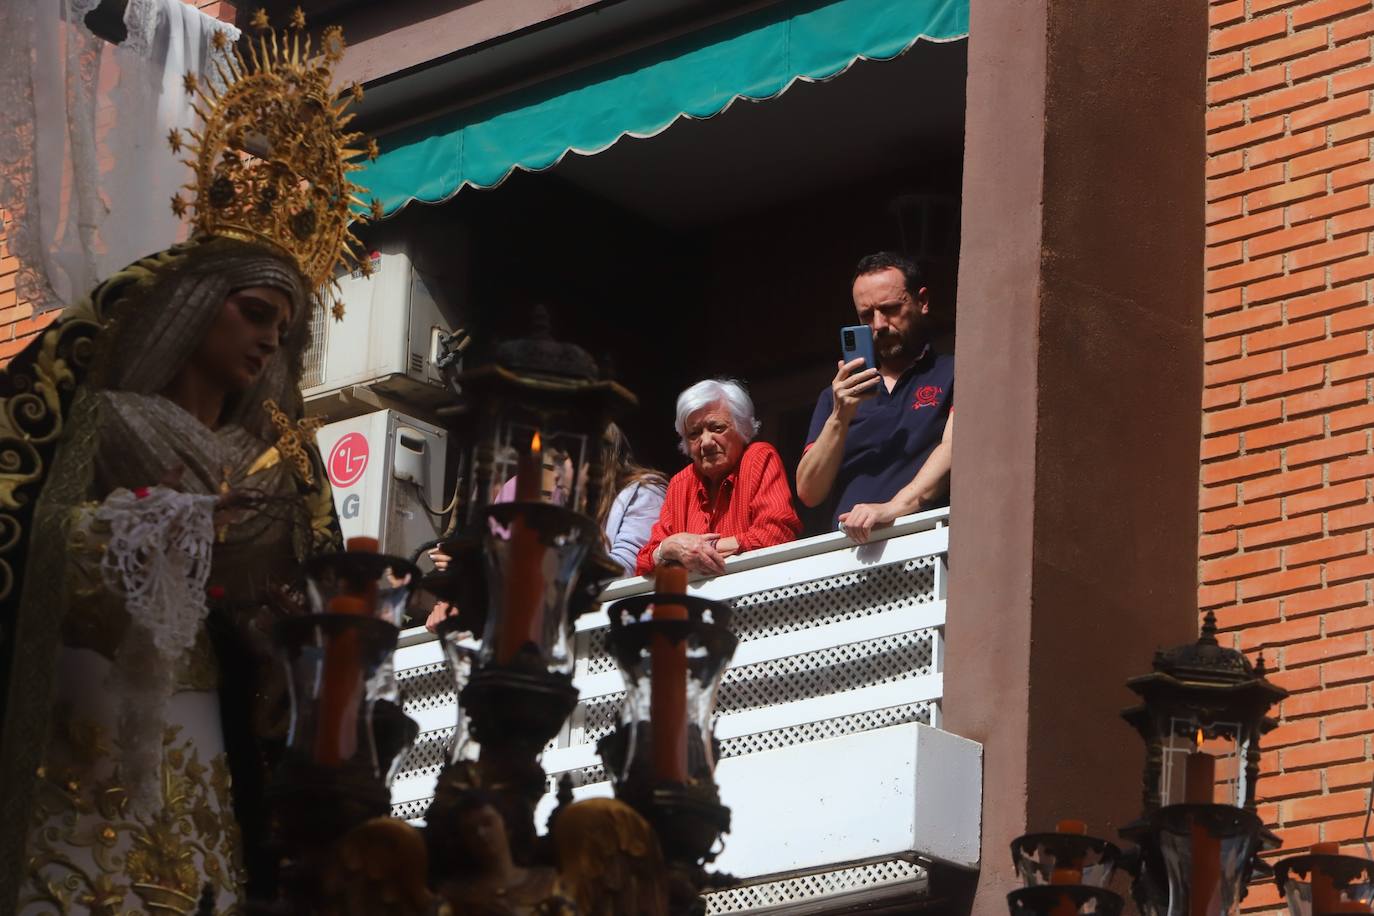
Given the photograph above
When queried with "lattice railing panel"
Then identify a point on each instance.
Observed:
(798, 677)
(824, 884)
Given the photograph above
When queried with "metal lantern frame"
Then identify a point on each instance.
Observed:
(1216, 693)
(1216, 687)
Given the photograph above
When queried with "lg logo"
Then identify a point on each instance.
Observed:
(348, 460)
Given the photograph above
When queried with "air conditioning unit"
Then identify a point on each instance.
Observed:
(388, 339)
(387, 471)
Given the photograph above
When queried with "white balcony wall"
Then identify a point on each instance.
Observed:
(837, 682)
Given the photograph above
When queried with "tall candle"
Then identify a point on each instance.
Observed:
(522, 612)
(1204, 886)
(1325, 897)
(341, 683)
(1070, 872)
(668, 684)
(529, 472)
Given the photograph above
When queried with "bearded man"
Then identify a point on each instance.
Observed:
(880, 438)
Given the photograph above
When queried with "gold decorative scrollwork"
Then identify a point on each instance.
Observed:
(90, 853)
(34, 393)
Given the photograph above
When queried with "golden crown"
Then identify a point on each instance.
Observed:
(272, 153)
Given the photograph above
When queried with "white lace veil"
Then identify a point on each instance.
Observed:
(85, 170)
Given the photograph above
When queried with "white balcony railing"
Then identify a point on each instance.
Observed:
(839, 666)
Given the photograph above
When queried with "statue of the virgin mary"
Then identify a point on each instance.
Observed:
(159, 492)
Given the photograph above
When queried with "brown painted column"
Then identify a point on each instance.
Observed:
(1079, 356)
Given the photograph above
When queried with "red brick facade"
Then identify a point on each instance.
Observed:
(1285, 506)
(17, 324)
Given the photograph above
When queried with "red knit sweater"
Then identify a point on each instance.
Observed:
(753, 504)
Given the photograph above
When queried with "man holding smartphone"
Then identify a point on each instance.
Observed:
(880, 438)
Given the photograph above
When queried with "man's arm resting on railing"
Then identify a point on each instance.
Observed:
(930, 483)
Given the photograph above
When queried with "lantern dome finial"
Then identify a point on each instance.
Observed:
(1209, 630)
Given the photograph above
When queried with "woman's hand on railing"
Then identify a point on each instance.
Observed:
(697, 552)
(439, 559)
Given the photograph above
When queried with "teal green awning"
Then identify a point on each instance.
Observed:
(756, 56)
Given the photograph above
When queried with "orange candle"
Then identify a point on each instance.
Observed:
(529, 472)
(341, 684)
(522, 609)
(1204, 897)
(668, 683)
(1325, 897)
(1065, 905)
(1070, 872)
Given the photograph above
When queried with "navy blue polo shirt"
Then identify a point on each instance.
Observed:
(892, 433)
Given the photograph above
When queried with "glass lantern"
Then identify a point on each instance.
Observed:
(1064, 873)
(1325, 882)
(533, 554)
(672, 651)
(333, 663)
(1053, 858)
(360, 599)
(1204, 711)
(533, 421)
(1208, 853)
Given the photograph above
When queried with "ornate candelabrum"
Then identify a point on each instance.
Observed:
(347, 734)
(1204, 710)
(1323, 882)
(525, 562)
(1064, 873)
(672, 649)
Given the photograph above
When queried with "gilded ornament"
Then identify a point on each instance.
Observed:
(293, 440)
(272, 154)
(193, 824)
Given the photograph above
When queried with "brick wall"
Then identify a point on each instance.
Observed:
(1285, 503)
(17, 323)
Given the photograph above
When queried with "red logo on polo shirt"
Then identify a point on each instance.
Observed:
(927, 396)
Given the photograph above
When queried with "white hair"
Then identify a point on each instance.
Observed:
(725, 391)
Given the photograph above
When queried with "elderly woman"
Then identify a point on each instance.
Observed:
(734, 495)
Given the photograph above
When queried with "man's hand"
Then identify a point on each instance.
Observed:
(860, 521)
(727, 547)
(848, 390)
(697, 552)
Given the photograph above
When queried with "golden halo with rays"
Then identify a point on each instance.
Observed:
(272, 155)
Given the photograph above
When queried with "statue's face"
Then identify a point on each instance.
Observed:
(246, 333)
(484, 834)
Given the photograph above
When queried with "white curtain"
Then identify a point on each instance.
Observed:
(86, 173)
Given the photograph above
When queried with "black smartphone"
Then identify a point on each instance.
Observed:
(857, 341)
